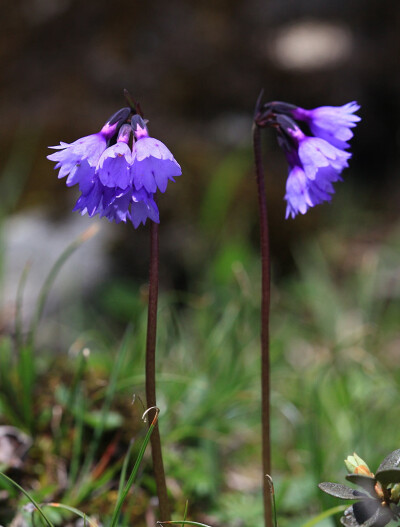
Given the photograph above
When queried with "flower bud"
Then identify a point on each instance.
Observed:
(120, 116)
(139, 127)
(356, 465)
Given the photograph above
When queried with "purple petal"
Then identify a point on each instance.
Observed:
(142, 173)
(148, 146)
(87, 148)
(316, 153)
(297, 195)
(143, 207)
(152, 173)
(114, 166)
(331, 123)
(119, 209)
(90, 203)
(82, 174)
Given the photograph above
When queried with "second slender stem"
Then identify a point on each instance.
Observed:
(158, 465)
(265, 307)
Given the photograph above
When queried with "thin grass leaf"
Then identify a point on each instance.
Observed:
(48, 283)
(183, 522)
(72, 396)
(77, 441)
(185, 513)
(109, 394)
(120, 501)
(26, 368)
(272, 496)
(324, 515)
(29, 498)
(73, 510)
(124, 470)
(19, 303)
(100, 485)
(8, 393)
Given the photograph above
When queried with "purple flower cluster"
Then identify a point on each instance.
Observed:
(118, 170)
(315, 162)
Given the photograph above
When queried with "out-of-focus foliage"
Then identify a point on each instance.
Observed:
(334, 343)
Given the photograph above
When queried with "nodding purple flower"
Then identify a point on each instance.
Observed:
(332, 123)
(115, 162)
(86, 151)
(153, 164)
(314, 165)
(315, 162)
(117, 181)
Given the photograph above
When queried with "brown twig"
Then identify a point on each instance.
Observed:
(265, 306)
(158, 465)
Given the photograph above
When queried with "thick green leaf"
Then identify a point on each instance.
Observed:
(391, 475)
(390, 461)
(341, 491)
(367, 513)
(366, 482)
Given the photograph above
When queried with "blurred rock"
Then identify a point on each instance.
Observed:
(13, 446)
(32, 238)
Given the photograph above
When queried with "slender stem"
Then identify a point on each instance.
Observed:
(158, 465)
(265, 305)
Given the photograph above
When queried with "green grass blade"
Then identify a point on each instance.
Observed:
(324, 515)
(36, 505)
(73, 394)
(183, 522)
(9, 401)
(124, 470)
(272, 498)
(18, 307)
(109, 394)
(120, 501)
(44, 292)
(73, 510)
(185, 513)
(26, 368)
(77, 441)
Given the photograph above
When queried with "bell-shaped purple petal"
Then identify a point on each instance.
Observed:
(332, 123)
(297, 193)
(143, 207)
(153, 165)
(114, 165)
(87, 148)
(91, 202)
(303, 193)
(320, 191)
(118, 210)
(315, 153)
(82, 174)
(111, 194)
